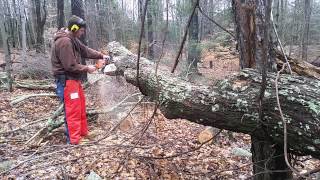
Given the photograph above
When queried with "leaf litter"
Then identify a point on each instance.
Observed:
(54, 159)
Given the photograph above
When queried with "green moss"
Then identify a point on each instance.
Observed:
(316, 141)
(314, 107)
(291, 98)
(267, 94)
(224, 84)
(253, 116)
(242, 105)
(311, 148)
(215, 108)
(244, 74)
(284, 92)
(295, 88)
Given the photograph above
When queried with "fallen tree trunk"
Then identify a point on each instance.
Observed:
(232, 103)
(302, 68)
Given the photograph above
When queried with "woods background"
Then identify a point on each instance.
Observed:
(222, 37)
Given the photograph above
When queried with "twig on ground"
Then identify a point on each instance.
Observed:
(24, 126)
(311, 172)
(35, 158)
(118, 124)
(24, 97)
(27, 85)
(179, 154)
(145, 128)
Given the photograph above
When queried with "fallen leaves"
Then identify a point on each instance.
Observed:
(163, 138)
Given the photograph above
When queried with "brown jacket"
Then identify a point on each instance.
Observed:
(66, 55)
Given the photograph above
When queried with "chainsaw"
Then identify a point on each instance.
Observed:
(106, 66)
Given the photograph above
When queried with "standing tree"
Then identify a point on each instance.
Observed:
(91, 12)
(150, 29)
(5, 40)
(77, 9)
(140, 19)
(40, 22)
(60, 14)
(305, 36)
(193, 41)
(253, 31)
(23, 32)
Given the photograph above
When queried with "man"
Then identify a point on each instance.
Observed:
(66, 55)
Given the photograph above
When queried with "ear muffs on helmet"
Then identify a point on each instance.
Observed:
(75, 23)
(74, 28)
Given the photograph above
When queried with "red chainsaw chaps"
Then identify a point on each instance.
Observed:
(75, 108)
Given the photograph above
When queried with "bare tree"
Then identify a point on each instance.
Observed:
(23, 32)
(91, 18)
(60, 14)
(40, 22)
(193, 41)
(150, 29)
(77, 9)
(5, 41)
(305, 36)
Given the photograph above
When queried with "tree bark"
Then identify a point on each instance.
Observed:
(23, 32)
(60, 13)
(150, 13)
(77, 9)
(245, 28)
(305, 36)
(40, 21)
(91, 20)
(232, 103)
(258, 18)
(268, 160)
(193, 33)
(302, 68)
(7, 54)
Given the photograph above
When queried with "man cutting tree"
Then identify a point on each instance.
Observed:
(66, 56)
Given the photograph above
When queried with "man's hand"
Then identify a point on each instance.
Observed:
(100, 63)
(91, 68)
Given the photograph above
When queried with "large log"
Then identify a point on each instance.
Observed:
(300, 67)
(232, 103)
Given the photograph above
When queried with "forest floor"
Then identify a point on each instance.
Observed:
(168, 149)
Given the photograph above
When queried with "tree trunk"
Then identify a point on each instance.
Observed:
(5, 41)
(77, 9)
(23, 33)
(91, 13)
(268, 160)
(232, 103)
(245, 32)
(140, 9)
(11, 22)
(150, 12)
(60, 13)
(193, 41)
(305, 36)
(40, 22)
(282, 22)
(262, 59)
(144, 45)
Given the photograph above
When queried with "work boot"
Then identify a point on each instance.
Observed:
(91, 135)
(84, 141)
